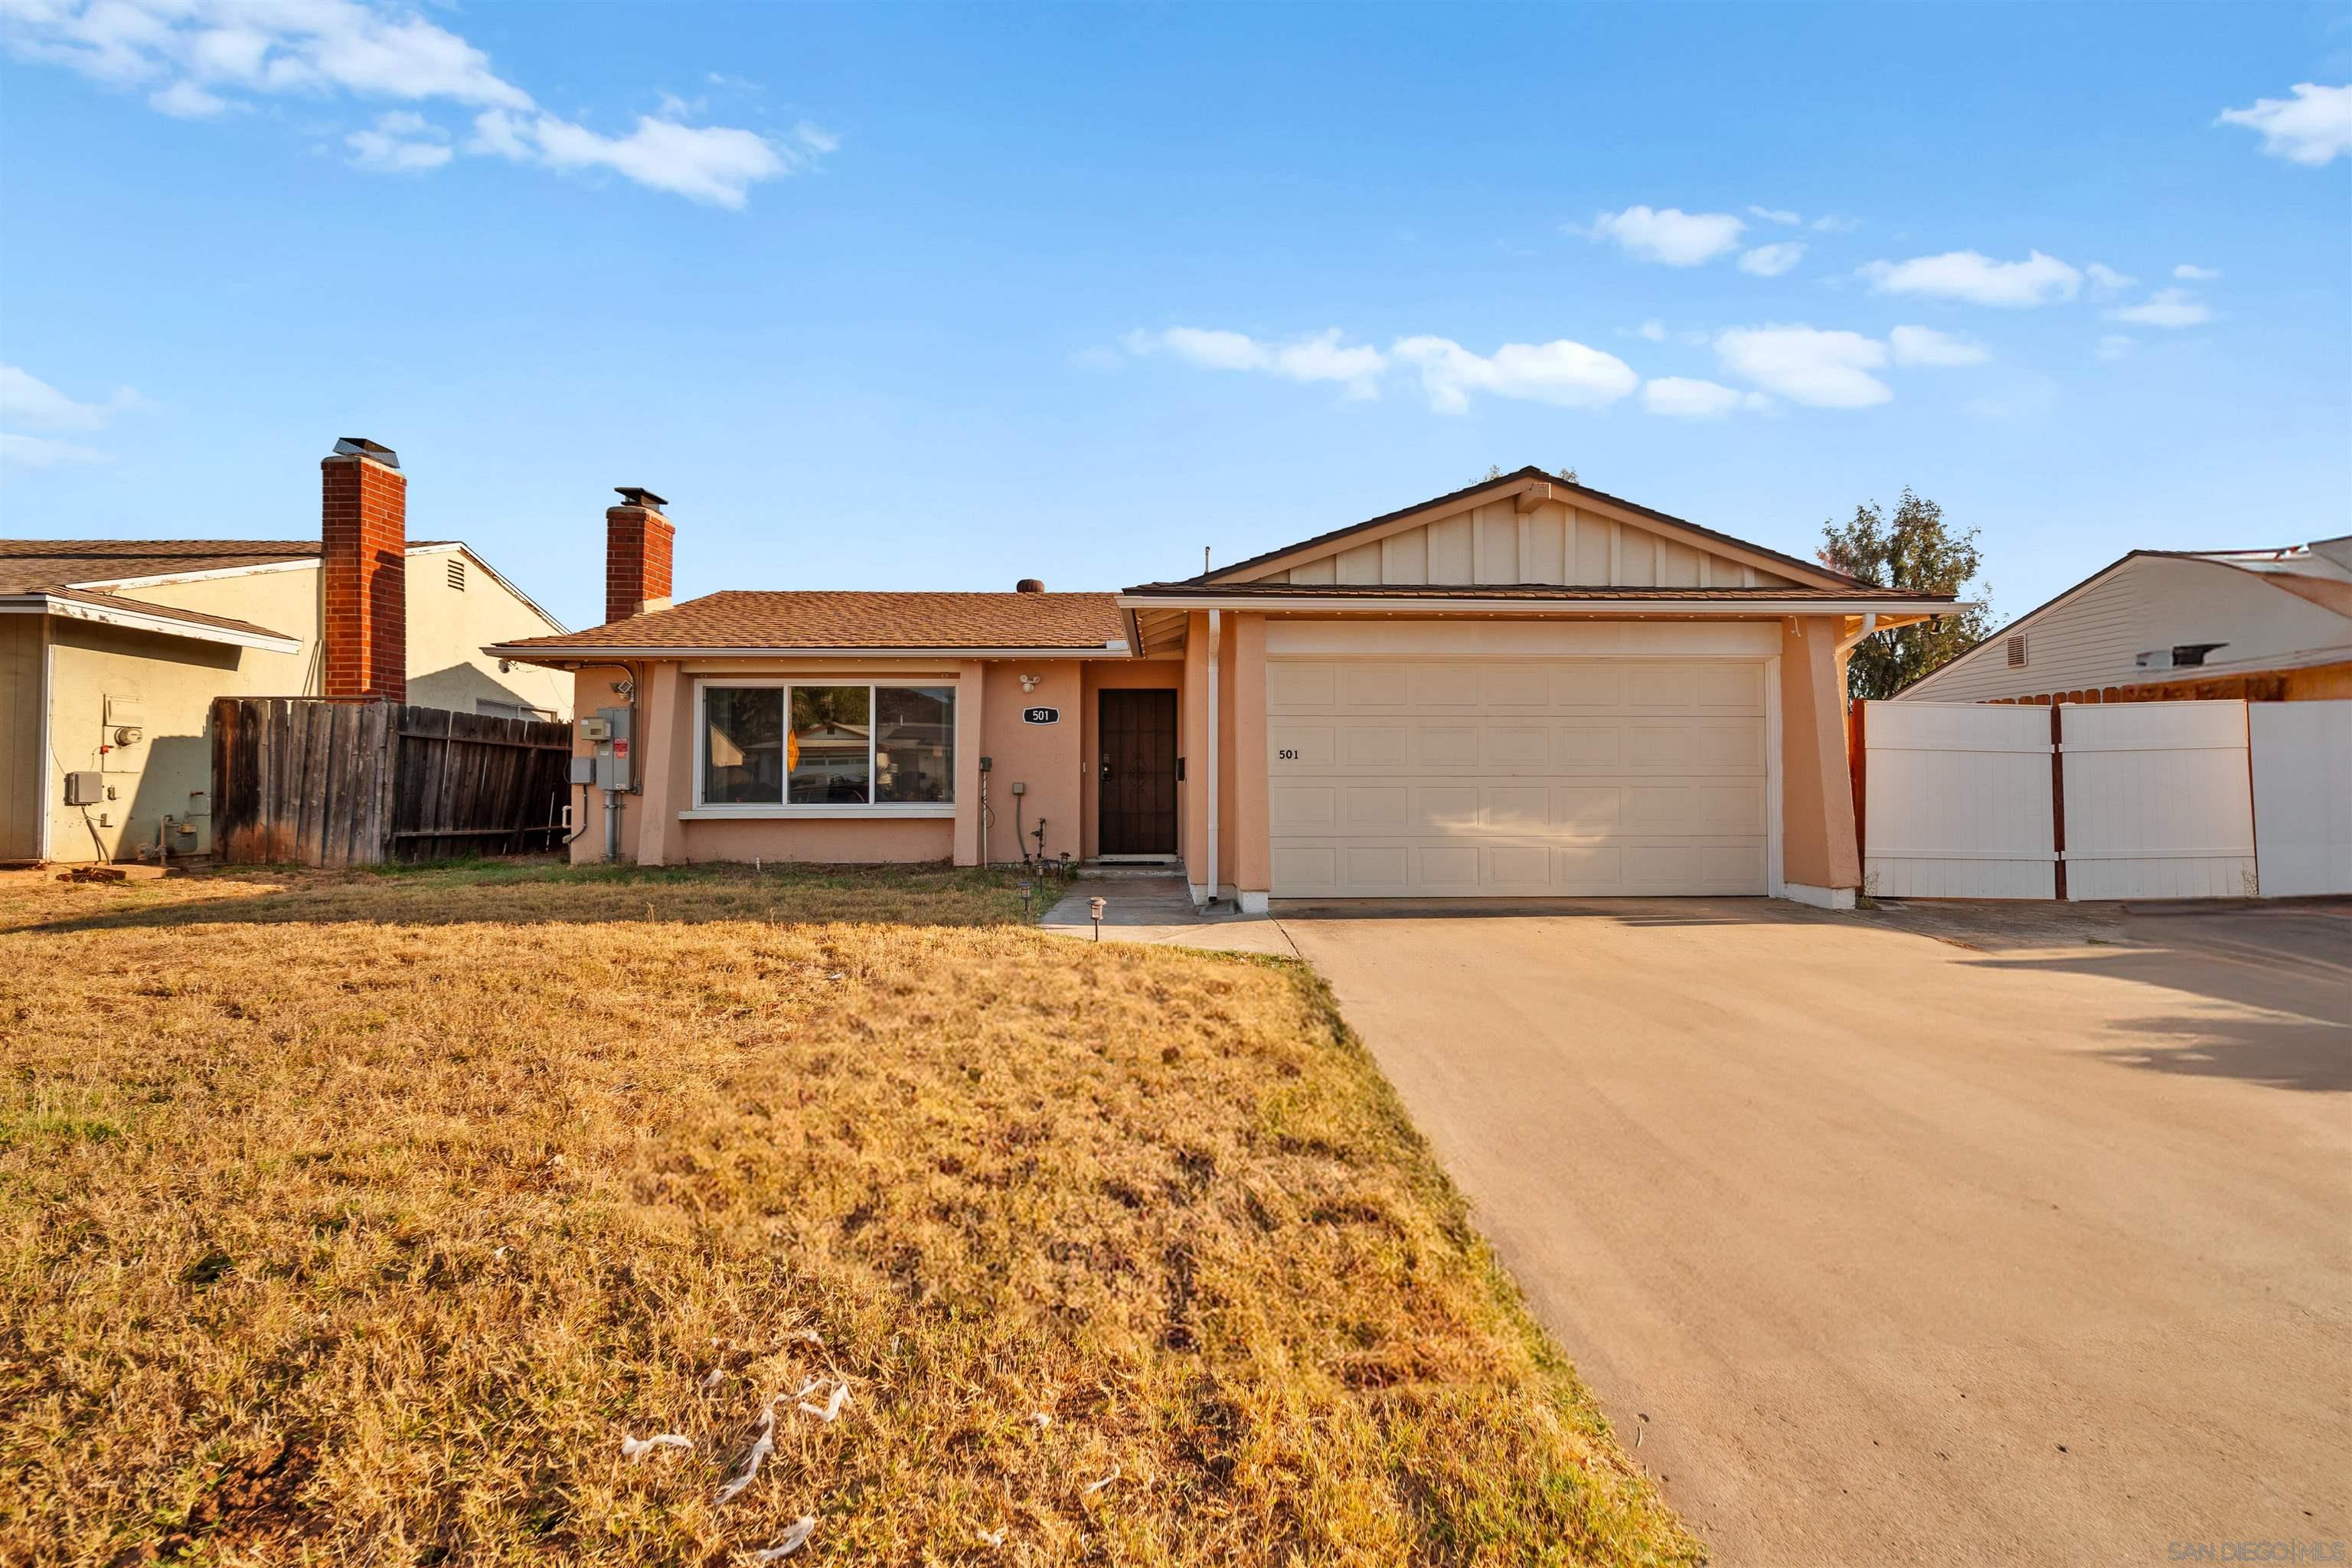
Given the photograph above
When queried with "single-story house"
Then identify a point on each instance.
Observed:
(112, 650)
(2266, 625)
(1524, 688)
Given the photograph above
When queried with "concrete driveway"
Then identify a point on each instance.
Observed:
(1939, 1237)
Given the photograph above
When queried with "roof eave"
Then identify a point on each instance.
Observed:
(158, 621)
(527, 653)
(1471, 604)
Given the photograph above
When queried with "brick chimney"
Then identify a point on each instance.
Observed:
(363, 560)
(636, 555)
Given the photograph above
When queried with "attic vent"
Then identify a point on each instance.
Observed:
(2017, 651)
(457, 575)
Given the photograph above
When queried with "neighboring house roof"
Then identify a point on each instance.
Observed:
(1511, 483)
(1195, 588)
(747, 621)
(93, 573)
(2320, 573)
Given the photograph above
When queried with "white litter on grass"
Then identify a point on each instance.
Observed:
(1094, 1487)
(716, 1374)
(832, 1406)
(795, 1537)
(760, 1450)
(992, 1538)
(811, 1335)
(1042, 1420)
(502, 1252)
(638, 1448)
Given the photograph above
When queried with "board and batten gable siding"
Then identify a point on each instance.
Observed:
(1553, 543)
(2091, 638)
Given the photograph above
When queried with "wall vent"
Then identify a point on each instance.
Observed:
(2017, 651)
(457, 574)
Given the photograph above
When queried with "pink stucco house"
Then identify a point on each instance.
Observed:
(1524, 688)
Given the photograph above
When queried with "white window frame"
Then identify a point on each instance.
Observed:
(872, 810)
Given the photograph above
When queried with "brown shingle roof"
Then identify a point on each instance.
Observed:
(30, 565)
(745, 619)
(168, 612)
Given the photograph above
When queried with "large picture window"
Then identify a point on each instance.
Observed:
(793, 745)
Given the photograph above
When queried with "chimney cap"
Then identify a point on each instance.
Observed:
(361, 446)
(1029, 586)
(637, 495)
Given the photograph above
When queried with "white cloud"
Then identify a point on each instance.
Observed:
(2311, 128)
(1317, 358)
(712, 163)
(185, 101)
(201, 53)
(1821, 369)
(2115, 345)
(1925, 345)
(1772, 260)
(41, 452)
(1684, 397)
(26, 399)
(400, 143)
(1652, 328)
(1563, 373)
(1668, 235)
(2166, 308)
(1775, 215)
(2107, 279)
(1830, 222)
(1977, 278)
(2193, 273)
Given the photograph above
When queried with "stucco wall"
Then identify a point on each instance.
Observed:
(1817, 847)
(657, 825)
(448, 628)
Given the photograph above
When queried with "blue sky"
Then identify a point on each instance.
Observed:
(887, 296)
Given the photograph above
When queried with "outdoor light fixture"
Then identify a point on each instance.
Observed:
(1094, 911)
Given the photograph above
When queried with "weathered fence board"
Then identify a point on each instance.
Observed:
(353, 783)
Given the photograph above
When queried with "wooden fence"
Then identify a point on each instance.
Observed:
(320, 781)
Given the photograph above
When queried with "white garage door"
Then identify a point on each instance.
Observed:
(1454, 777)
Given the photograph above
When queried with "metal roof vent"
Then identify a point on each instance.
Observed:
(361, 446)
(637, 495)
(1029, 586)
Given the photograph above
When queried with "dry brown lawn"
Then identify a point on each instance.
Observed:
(359, 1218)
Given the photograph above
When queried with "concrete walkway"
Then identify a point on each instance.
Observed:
(1159, 910)
(1962, 1243)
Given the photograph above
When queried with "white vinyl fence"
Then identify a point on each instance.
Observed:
(2303, 795)
(2158, 802)
(2119, 800)
(1956, 803)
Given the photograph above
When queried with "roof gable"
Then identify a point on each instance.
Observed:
(1529, 528)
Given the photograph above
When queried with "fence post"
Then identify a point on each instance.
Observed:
(2058, 799)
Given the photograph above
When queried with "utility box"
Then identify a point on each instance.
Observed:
(595, 729)
(615, 768)
(584, 770)
(86, 789)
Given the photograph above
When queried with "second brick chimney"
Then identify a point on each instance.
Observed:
(364, 571)
(636, 555)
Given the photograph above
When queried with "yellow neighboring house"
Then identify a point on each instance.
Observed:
(111, 652)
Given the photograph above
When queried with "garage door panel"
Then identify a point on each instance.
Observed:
(1292, 683)
(1445, 686)
(1516, 685)
(1373, 686)
(1517, 746)
(1588, 686)
(1467, 777)
(1514, 808)
(1303, 807)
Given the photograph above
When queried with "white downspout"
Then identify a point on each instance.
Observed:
(1216, 637)
(1869, 626)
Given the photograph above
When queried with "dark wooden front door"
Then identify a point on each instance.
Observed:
(1138, 806)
